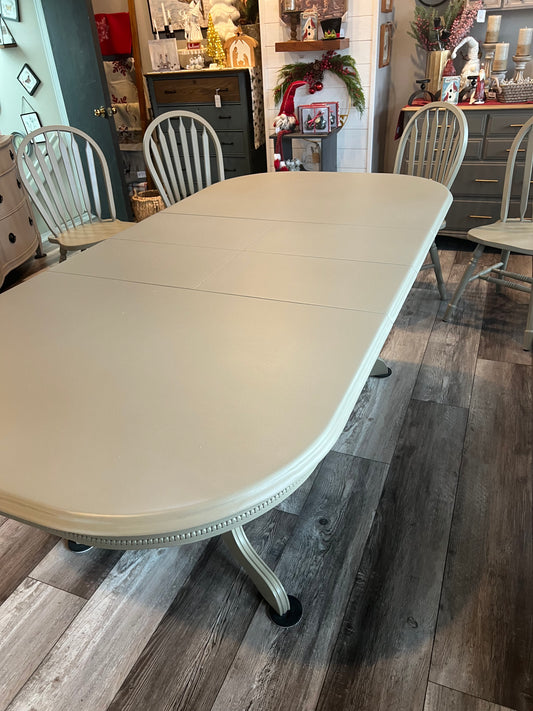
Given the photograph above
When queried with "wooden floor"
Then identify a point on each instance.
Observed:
(410, 548)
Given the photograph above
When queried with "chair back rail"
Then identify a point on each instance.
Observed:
(179, 161)
(433, 143)
(524, 136)
(65, 193)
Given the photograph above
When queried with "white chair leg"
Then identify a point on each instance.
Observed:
(263, 578)
(505, 259)
(434, 254)
(464, 281)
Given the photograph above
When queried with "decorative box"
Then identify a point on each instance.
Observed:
(333, 107)
(314, 118)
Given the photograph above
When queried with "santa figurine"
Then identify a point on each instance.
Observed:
(285, 122)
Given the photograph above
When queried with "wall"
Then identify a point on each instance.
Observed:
(356, 138)
(30, 49)
(408, 62)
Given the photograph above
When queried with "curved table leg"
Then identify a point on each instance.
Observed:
(380, 369)
(77, 547)
(286, 610)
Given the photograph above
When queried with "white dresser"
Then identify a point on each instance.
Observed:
(19, 237)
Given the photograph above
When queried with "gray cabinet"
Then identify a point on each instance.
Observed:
(233, 120)
(19, 238)
(478, 187)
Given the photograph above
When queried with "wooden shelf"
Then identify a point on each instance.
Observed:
(312, 45)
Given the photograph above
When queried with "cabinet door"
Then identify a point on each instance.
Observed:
(516, 4)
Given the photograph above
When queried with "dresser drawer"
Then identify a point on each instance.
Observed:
(498, 149)
(507, 123)
(474, 149)
(476, 123)
(11, 192)
(227, 117)
(235, 166)
(193, 90)
(7, 154)
(485, 180)
(18, 237)
(466, 214)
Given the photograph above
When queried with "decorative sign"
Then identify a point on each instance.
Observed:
(240, 51)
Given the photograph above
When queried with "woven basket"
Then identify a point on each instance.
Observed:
(146, 203)
(516, 93)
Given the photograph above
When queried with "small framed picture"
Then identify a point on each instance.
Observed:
(6, 38)
(164, 55)
(314, 118)
(10, 9)
(450, 89)
(386, 5)
(385, 43)
(31, 122)
(29, 80)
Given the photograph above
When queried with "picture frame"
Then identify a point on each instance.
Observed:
(6, 38)
(9, 9)
(314, 118)
(386, 5)
(164, 55)
(29, 80)
(450, 89)
(31, 121)
(385, 44)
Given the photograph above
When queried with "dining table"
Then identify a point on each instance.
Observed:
(185, 376)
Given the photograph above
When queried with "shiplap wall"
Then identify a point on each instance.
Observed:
(355, 141)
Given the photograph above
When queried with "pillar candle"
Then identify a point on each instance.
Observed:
(164, 14)
(525, 35)
(493, 29)
(501, 53)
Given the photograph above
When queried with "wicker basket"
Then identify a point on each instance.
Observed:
(516, 93)
(146, 203)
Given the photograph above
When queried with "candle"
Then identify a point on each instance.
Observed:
(154, 26)
(165, 22)
(525, 35)
(501, 53)
(493, 28)
(289, 5)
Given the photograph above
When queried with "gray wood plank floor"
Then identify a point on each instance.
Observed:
(410, 547)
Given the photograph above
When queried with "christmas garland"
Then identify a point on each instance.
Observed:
(313, 73)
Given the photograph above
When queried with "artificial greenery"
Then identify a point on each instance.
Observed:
(342, 66)
(434, 31)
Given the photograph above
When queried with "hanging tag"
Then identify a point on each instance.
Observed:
(218, 100)
(480, 16)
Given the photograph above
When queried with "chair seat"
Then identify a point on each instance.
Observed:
(514, 235)
(89, 233)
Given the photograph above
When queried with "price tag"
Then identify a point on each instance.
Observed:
(218, 101)
(480, 16)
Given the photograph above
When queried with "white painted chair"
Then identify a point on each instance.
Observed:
(66, 175)
(508, 234)
(183, 154)
(433, 145)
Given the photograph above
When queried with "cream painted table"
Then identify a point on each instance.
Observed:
(200, 364)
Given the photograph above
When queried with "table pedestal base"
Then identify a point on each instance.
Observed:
(286, 611)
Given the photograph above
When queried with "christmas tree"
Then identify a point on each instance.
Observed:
(214, 44)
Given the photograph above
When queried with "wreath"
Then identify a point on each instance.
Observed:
(313, 73)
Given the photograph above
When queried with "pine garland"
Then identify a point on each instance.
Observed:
(313, 73)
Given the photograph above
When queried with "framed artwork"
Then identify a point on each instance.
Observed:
(164, 55)
(6, 38)
(10, 9)
(174, 12)
(29, 80)
(31, 122)
(385, 42)
(386, 5)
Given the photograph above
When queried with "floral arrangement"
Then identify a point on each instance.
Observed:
(313, 73)
(433, 31)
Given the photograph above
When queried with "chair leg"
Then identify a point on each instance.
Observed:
(464, 281)
(528, 333)
(505, 259)
(62, 254)
(438, 270)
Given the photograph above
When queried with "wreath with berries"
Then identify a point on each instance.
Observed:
(313, 73)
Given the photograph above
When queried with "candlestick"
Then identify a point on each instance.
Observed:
(493, 28)
(289, 5)
(164, 14)
(525, 35)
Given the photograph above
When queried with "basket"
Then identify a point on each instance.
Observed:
(516, 93)
(146, 203)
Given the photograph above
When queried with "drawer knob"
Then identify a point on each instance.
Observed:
(19, 184)
(224, 117)
(486, 180)
(30, 221)
(226, 143)
(11, 154)
(1, 198)
(169, 91)
(12, 238)
(481, 217)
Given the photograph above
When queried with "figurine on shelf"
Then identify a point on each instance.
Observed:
(471, 66)
(191, 23)
(479, 94)
(224, 16)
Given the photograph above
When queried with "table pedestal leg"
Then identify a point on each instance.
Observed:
(286, 610)
(380, 369)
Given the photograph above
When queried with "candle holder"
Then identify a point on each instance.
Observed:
(488, 55)
(294, 17)
(520, 61)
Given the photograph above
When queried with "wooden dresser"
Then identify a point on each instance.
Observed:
(19, 237)
(477, 189)
(233, 121)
